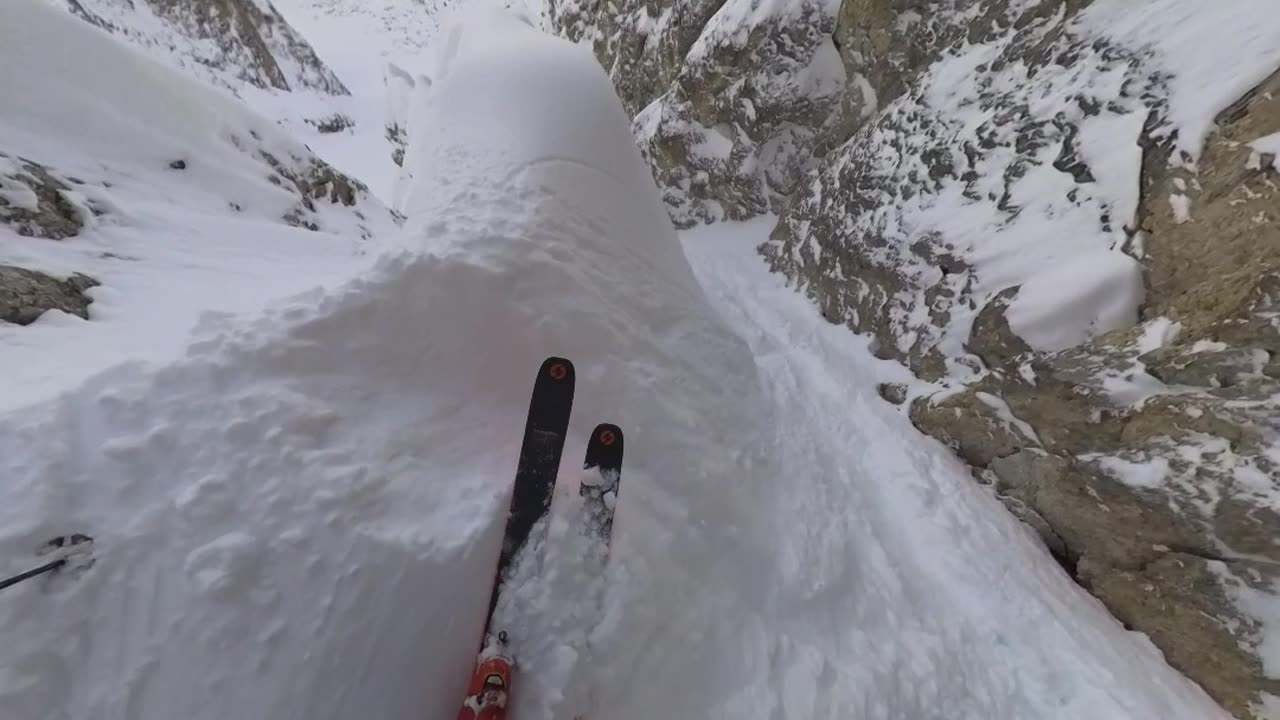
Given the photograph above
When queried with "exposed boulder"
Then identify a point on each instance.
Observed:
(25, 294)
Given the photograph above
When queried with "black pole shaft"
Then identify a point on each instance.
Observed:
(47, 567)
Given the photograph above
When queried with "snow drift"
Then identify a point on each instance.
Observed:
(300, 517)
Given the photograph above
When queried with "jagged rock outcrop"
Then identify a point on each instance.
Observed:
(227, 42)
(890, 235)
(998, 194)
(731, 104)
(26, 294)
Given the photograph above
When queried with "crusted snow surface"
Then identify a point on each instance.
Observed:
(299, 518)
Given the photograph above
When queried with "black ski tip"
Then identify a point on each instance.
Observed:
(557, 369)
(604, 449)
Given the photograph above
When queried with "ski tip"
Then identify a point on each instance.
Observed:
(604, 449)
(557, 368)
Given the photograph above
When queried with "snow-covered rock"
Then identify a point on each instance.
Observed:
(25, 294)
(733, 101)
(226, 42)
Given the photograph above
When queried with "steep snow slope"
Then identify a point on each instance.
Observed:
(298, 519)
(183, 192)
(359, 40)
(378, 49)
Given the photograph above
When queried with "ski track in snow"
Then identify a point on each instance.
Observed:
(300, 517)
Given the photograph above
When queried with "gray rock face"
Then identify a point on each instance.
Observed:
(25, 294)
(228, 42)
(1155, 470)
(731, 104)
(874, 237)
(1141, 450)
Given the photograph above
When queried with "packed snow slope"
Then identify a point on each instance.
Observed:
(299, 518)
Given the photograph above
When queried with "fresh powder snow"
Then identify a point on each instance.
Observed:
(297, 507)
(170, 178)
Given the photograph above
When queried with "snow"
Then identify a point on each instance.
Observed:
(1006, 415)
(1148, 474)
(1108, 145)
(299, 516)
(171, 244)
(360, 41)
(1214, 52)
(1180, 203)
(1084, 295)
(1267, 144)
(1258, 603)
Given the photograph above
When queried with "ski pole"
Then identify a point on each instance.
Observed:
(47, 567)
(73, 551)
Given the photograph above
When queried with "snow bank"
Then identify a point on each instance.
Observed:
(1082, 296)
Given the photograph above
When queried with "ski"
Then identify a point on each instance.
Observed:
(599, 490)
(540, 451)
(602, 473)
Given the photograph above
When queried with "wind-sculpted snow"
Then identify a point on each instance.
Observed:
(301, 517)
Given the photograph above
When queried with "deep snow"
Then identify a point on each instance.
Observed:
(298, 518)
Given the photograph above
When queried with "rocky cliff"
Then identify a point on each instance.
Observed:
(1063, 217)
(226, 42)
(98, 138)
